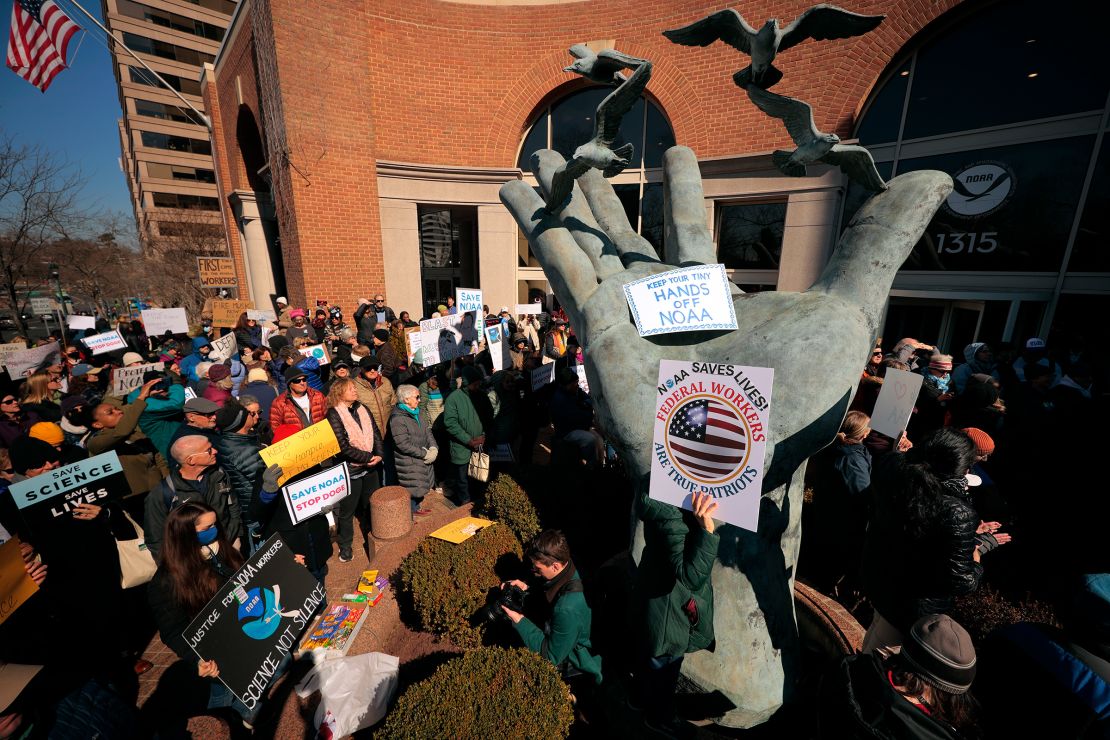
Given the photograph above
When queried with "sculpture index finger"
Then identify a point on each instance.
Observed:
(687, 234)
(567, 267)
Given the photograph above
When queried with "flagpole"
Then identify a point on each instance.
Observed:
(110, 35)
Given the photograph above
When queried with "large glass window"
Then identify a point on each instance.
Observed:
(749, 235)
(182, 84)
(165, 50)
(1091, 252)
(179, 200)
(166, 19)
(177, 172)
(156, 140)
(165, 112)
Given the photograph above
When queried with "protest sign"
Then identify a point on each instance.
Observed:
(76, 322)
(261, 314)
(267, 332)
(468, 299)
(109, 341)
(895, 403)
(158, 321)
(127, 379)
(527, 309)
(22, 362)
(227, 313)
(319, 352)
(42, 305)
(15, 585)
(256, 619)
(498, 342)
(317, 493)
(8, 349)
(582, 382)
(299, 452)
(688, 299)
(412, 338)
(223, 348)
(217, 272)
(43, 499)
(711, 423)
(446, 337)
(189, 393)
(461, 530)
(543, 375)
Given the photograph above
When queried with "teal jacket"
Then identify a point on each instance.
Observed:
(568, 635)
(461, 421)
(676, 565)
(162, 417)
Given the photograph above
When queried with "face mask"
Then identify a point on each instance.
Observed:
(207, 536)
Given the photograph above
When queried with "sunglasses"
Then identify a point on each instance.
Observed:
(7, 401)
(298, 380)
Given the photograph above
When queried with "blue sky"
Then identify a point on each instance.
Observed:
(76, 117)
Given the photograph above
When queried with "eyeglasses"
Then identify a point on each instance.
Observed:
(8, 401)
(298, 380)
(379, 300)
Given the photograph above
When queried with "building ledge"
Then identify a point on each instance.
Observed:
(440, 172)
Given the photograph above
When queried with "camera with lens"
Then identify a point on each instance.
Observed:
(511, 597)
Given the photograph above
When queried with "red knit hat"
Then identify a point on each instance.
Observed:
(984, 445)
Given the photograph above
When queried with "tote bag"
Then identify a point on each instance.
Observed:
(136, 564)
(479, 466)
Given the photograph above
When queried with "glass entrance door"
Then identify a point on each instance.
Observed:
(448, 252)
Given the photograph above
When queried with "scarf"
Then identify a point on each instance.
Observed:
(414, 413)
(560, 341)
(552, 588)
(359, 437)
(941, 383)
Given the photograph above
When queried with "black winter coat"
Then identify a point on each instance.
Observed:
(907, 574)
(239, 458)
(309, 538)
(170, 616)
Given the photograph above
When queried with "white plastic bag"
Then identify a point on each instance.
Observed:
(354, 692)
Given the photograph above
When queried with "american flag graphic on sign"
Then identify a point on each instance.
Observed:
(707, 439)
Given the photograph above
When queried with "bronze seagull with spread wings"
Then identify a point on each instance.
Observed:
(813, 145)
(819, 22)
(603, 67)
(598, 152)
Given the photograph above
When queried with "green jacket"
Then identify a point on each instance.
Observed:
(568, 635)
(676, 564)
(461, 421)
(143, 467)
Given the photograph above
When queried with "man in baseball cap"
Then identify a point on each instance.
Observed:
(200, 418)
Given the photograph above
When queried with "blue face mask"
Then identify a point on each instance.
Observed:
(940, 383)
(207, 536)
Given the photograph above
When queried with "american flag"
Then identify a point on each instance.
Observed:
(707, 438)
(38, 41)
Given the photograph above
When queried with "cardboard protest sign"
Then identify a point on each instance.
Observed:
(261, 314)
(8, 349)
(109, 341)
(895, 403)
(223, 348)
(317, 493)
(217, 272)
(44, 499)
(127, 379)
(299, 452)
(446, 337)
(688, 299)
(255, 621)
(412, 339)
(157, 321)
(468, 299)
(15, 585)
(526, 309)
(543, 375)
(319, 351)
(582, 382)
(711, 423)
(461, 530)
(227, 313)
(77, 322)
(22, 362)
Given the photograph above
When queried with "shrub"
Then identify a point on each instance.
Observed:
(486, 693)
(986, 609)
(508, 503)
(448, 582)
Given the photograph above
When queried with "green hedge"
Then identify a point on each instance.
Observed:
(486, 693)
(447, 582)
(508, 503)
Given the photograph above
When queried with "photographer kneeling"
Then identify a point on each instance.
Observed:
(565, 637)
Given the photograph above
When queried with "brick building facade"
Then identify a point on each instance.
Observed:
(345, 134)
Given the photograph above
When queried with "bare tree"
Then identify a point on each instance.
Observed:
(38, 195)
(170, 257)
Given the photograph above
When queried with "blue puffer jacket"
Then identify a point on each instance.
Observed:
(311, 368)
(189, 363)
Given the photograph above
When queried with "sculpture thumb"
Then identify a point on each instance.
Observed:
(879, 239)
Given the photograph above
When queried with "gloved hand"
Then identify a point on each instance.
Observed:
(431, 455)
(270, 478)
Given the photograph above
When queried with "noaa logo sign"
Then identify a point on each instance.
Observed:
(980, 189)
(259, 615)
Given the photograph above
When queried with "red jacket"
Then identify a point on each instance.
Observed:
(284, 410)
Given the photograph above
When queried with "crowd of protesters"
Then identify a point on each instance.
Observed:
(905, 524)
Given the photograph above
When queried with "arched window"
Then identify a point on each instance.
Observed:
(568, 122)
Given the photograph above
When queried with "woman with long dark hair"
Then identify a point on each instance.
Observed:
(248, 334)
(921, 549)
